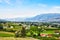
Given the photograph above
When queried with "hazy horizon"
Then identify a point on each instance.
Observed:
(27, 8)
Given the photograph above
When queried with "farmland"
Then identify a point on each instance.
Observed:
(29, 31)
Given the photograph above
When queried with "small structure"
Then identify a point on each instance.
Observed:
(43, 35)
(49, 26)
(11, 27)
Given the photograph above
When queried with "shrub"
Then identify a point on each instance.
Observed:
(28, 34)
(56, 35)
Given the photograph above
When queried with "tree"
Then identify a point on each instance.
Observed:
(23, 32)
(1, 26)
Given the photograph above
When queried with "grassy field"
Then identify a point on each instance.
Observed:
(48, 32)
(10, 36)
(6, 34)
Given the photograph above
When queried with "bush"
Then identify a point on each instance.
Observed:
(28, 34)
(56, 35)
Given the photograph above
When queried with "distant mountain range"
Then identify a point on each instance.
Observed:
(50, 17)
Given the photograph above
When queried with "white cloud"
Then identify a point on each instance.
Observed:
(10, 2)
(27, 12)
(54, 9)
(7, 1)
(13, 13)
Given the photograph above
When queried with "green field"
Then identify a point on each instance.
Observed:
(48, 32)
(16, 32)
(6, 34)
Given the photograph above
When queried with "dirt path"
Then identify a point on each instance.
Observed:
(12, 38)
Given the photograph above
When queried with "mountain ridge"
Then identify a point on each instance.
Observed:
(50, 17)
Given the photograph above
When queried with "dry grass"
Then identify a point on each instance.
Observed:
(12, 38)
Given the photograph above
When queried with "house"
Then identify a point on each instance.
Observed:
(11, 27)
(49, 26)
(43, 35)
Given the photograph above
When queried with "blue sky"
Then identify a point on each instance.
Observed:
(27, 8)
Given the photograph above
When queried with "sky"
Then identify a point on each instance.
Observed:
(27, 8)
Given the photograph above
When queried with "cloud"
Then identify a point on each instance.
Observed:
(54, 9)
(28, 12)
(12, 2)
(7, 1)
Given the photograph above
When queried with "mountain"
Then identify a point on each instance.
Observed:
(16, 19)
(50, 17)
